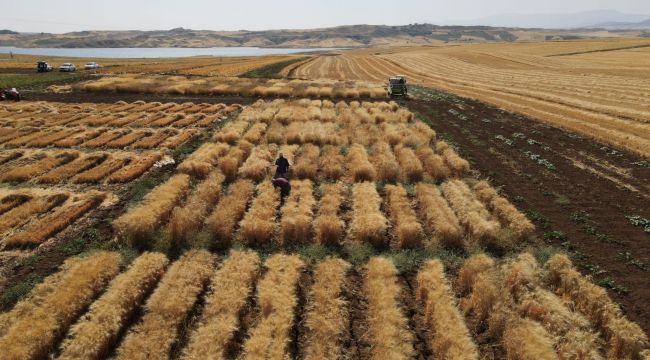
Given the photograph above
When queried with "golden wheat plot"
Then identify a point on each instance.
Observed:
(222, 221)
(385, 163)
(232, 132)
(388, 331)
(258, 225)
(326, 317)
(269, 338)
(186, 221)
(203, 160)
(433, 164)
(41, 229)
(307, 164)
(449, 337)
(471, 213)
(358, 164)
(331, 163)
(230, 163)
(33, 332)
(298, 214)
(507, 214)
(412, 170)
(93, 335)
(328, 225)
(406, 228)
(168, 307)
(457, 164)
(368, 222)
(257, 166)
(231, 287)
(477, 280)
(437, 217)
(625, 339)
(141, 221)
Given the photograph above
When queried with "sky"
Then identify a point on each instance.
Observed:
(58, 16)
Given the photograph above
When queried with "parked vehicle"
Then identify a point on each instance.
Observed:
(91, 66)
(10, 94)
(67, 67)
(43, 66)
(397, 86)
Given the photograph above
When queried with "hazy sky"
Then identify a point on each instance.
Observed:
(69, 15)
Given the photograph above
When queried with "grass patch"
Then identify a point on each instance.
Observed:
(39, 80)
(272, 71)
(19, 290)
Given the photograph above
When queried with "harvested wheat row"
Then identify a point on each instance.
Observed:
(33, 333)
(141, 221)
(368, 222)
(256, 167)
(358, 164)
(186, 221)
(135, 168)
(48, 139)
(255, 133)
(625, 339)
(33, 207)
(307, 164)
(412, 170)
(79, 138)
(326, 316)
(328, 225)
(174, 141)
(331, 163)
(8, 156)
(388, 331)
(433, 164)
(104, 138)
(438, 219)
(114, 162)
(128, 139)
(95, 333)
(276, 298)
(167, 308)
(11, 201)
(408, 231)
(471, 213)
(203, 160)
(449, 337)
(230, 210)
(298, 214)
(231, 287)
(232, 132)
(41, 229)
(258, 225)
(507, 214)
(72, 168)
(38, 167)
(156, 139)
(385, 162)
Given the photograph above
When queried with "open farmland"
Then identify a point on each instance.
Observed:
(599, 88)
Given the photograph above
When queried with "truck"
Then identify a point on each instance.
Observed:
(43, 66)
(397, 86)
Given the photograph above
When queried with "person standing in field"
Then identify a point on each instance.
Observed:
(282, 167)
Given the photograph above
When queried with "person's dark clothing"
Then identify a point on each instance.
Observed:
(282, 166)
(283, 184)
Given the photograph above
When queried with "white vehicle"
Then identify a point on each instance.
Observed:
(91, 66)
(67, 67)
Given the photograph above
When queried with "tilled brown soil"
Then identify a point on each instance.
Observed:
(578, 191)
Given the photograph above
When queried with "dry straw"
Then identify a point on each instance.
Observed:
(437, 217)
(449, 338)
(307, 164)
(276, 297)
(203, 160)
(167, 308)
(412, 170)
(230, 290)
(326, 318)
(507, 214)
(94, 334)
(257, 166)
(358, 164)
(258, 225)
(406, 228)
(35, 206)
(298, 214)
(368, 222)
(221, 223)
(32, 332)
(328, 225)
(331, 163)
(388, 331)
(433, 164)
(385, 162)
(141, 221)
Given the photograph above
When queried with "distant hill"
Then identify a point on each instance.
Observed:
(341, 36)
(642, 25)
(557, 20)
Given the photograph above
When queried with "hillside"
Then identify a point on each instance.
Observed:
(342, 36)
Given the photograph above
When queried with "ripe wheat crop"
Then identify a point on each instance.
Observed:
(411, 166)
(298, 213)
(257, 166)
(437, 217)
(276, 297)
(358, 164)
(138, 223)
(328, 225)
(92, 336)
(168, 307)
(222, 221)
(113, 163)
(307, 164)
(388, 330)
(331, 163)
(258, 225)
(506, 212)
(135, 168)
(231, 286)
(38, 167)
(35, 206)
(385, 163)
(67, 171)
(368, 223)
(433, 164)
(203, 160)
(406, 227)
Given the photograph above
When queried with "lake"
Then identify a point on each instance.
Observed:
(156, 52)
